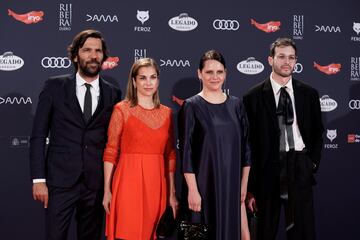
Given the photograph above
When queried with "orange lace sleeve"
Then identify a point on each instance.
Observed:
(170, 154)
(111, 152)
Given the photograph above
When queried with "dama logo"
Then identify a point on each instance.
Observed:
(110, 63)
(330, 69)
(177, 100)
(330, 29)
(268, 27)
(27, 18)
(101, 18)
(174, 63)
(15, 100)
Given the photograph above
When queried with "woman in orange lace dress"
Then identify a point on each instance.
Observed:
(139, 159)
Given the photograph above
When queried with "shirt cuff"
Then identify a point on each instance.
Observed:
(39, 180)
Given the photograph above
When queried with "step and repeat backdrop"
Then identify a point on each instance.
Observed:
(35, 35)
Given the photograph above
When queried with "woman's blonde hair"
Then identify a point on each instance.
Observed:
(131, 93)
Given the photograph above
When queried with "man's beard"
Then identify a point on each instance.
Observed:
(279, 72)
(89, 71)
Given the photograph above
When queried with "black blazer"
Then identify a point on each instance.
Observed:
(265, 132)
(75, 147)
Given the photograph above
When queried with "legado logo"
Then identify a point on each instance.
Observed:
(27, 18)
(298, 68)
(330, 29)
(327, 104)
(223, 24)
(101, 18)
(331, 135)
(15, 100)
(330, 69)
(174, 63)
(183, 23)
(10, 62)
(110, 63)
(268, 27)
(55, 62)
(354, 104)
(250, 66)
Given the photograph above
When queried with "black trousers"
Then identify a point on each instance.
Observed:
(87, 205)
(269, 206)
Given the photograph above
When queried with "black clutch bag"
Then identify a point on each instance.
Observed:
(166, 225)
(193, 231)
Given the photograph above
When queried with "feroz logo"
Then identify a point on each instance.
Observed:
(15, 100)
(355, 68)
(330, 69)
(322, 28)
(298, 27)
(110, 63)
(10, 62)
(101, 18)
(298, 68)
(331, 135)
(353, 138)
(55, 62)
(268, 27)
(142, 16)
(250, 66)
(139, 53)
(20, 141)
(356, 28)
(223, 24)
(183, 23)
(27, 18)
(65, 16)
(327, 104)
(174, 63)
(354, 104)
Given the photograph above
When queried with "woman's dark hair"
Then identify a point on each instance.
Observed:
(211, 55)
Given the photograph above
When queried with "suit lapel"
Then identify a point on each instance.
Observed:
(269, 101)
(299, 102)
(104, 100)
(71, 100)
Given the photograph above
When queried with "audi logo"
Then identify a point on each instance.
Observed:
(298, 68)
(56, 62)
(354, 104)
(222, 24)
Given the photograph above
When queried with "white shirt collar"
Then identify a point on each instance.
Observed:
(80, 82)
(276, 86)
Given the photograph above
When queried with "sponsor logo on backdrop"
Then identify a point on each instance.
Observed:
(330, 29)
(174, 63)
(327, 104)
(177, 100)
(250, 66)
(27, 18)
(298, 68)
(15, 100)
(356, 28)
(20, 141)
(268, 27)
(110, 63)
(65, 16)
(55, 62)
(183, 23)
(354, 104)
(140, 53)
(142, 16)
(101, 18)
(330, 69)
(10, 62)
(331, 134)
(298, 27)
(355, 69)
(353, 138)
(226, 24)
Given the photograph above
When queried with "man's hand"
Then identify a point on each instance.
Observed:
(251, 203)
(40, 193)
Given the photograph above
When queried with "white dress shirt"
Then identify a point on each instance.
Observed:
(299, 144)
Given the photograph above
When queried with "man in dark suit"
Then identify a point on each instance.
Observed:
(286, 141)
(75, 110)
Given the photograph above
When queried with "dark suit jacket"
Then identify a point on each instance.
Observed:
(75, 147)
(265, 132)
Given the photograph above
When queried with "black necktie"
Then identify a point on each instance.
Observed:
(87, 103)
(284, 107)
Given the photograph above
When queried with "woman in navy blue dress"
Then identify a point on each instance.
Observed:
(215, 154)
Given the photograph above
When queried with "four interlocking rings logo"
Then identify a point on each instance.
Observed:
(56, 62)
(298, 68)
(223, 24)
(354, 104)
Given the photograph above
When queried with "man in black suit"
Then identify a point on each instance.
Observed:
(75, 110)
(286, 141)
